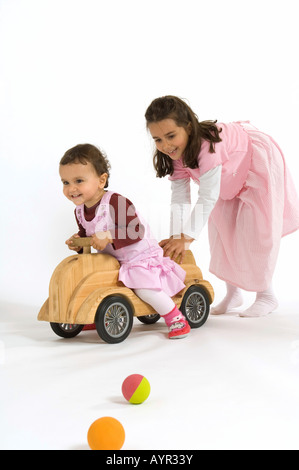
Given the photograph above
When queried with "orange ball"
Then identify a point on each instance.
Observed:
(106, 434)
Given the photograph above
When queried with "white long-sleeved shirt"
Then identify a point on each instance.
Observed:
(182, 219)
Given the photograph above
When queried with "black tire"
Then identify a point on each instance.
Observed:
(66, 330)
(195, 306)
(149, 319)
(114, 319)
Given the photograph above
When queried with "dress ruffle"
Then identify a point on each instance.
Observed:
(156, 272)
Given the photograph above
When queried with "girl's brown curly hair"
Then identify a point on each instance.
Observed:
(84, 153)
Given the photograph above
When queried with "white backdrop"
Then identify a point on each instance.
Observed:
(75, 72)
(85, 71)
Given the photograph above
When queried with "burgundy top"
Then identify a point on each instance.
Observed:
(122, 231)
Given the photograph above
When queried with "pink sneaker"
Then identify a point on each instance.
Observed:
(179, 329)
(177, 324)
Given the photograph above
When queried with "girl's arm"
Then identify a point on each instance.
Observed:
(100, 240)
(81, 233)
(127, 230)
(185, 227)
(180, 205)
(208, 195)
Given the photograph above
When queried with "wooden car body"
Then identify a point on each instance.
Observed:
(81, 282)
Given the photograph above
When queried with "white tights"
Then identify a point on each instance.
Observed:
(157, 298)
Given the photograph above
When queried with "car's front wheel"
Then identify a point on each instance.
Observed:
(149, 319)
(66, 330)
(114, 319)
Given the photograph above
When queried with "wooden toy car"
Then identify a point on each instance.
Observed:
(84, 290)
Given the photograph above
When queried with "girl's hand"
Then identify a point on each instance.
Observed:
(70, 244)
(176, 247)
(100, 240)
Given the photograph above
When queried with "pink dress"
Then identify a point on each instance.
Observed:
(142, 265)
(258, 205)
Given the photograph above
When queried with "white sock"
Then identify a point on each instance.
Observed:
(264, 304)
(232, 299)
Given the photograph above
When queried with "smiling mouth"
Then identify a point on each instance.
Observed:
(74, 196)
(172, 152)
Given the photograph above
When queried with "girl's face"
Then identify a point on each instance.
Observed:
(170, 138)
(81, 183)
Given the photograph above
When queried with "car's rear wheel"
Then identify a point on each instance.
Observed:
(195, 306)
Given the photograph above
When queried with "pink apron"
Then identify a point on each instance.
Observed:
(142, 264)
(258, 205)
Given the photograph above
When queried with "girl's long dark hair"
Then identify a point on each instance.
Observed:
(171, 107)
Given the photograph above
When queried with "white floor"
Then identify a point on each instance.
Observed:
(233, 384)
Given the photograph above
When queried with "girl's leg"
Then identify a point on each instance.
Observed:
(264, 304)
(165, 306)
(232, 299)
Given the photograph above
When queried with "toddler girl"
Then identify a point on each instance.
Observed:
(116, 228)
(245, 190)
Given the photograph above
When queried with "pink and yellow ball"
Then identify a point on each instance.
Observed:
(136, 389)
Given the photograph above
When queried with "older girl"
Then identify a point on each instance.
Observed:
(245, 190)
